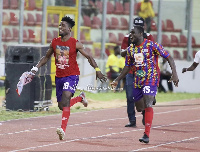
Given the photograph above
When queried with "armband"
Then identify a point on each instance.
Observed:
(97, 69)
(34, 69)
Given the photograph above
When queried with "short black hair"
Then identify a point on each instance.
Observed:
(69, 20)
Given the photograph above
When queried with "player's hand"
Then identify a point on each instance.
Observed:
(101, 77)
(34, 70)
(114, 84)
(174, 79)
(184, 70)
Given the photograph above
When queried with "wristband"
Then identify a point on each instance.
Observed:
(34, 69)
(97, 69)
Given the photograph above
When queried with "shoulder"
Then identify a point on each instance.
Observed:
(150, 37)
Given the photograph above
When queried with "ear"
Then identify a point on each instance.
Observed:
(70, 29)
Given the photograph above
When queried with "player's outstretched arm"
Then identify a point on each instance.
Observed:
(43, 60)
(124, 72)
(92, 62)
(174, 76)
(191, 68)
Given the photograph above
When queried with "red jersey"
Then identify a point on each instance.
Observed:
(125, 43)
(65, 57)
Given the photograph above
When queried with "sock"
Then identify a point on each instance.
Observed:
(75, 100)
(148, 119)
(65, 117)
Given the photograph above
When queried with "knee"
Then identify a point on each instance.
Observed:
(60, 107)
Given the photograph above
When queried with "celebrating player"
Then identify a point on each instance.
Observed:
(65, 50)
(143, 55)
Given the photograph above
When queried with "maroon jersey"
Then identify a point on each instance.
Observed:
(65, 57)
(125, 43)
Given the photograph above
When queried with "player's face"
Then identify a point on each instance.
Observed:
(135, 35)
(64, 29)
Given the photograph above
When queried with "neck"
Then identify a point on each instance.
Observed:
(65, 38)
(140, 41)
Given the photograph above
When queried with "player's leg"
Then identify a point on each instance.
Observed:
(64, 105)
(130, 101)
(149, 93)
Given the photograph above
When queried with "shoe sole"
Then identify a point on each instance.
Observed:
(141, 140)
(61, 137)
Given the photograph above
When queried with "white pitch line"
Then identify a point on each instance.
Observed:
(106, 135)
(169, 143)
(98, 121)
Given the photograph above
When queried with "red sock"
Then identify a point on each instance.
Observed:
(65, 117)
(75, 100)
(148, 119)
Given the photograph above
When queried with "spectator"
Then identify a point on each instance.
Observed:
(165, 74)
(113, 65)
(145, 10)
(89, 8)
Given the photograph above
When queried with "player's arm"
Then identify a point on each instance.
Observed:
(191, 68)
(124, 72)
(124, 46)
(43, 60)
(91, 60)
(174, 76)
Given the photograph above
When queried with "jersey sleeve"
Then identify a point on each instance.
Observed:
(197, 57)
(159, 49)
(124, 43)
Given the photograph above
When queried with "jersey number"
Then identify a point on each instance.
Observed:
(66, 85)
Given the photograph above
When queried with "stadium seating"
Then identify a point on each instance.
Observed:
(170, 26)
(55, 33)
(124, 24)
(49, 20)
(176, 55)
(14, 4)
(49, 36)
(114, 23)
(165, 40)
(3, 36)
(15, 34)
(153, 25)
(108, 23)
(89, 51)
(100, 6)
(110, 7)
(194, 53)
(6, 4)
(6, 19)
(174, 41)
(30, 20)
(31, 5)
(55, 20)
(120, 38)
(97, 53)
(112, 38)
(5, 48)
(96, 22)
(119, 9)
(87, 21)
(31, 36)
(83, 39)
(13, 19)
(8, 35)
(25, 37)
(38, 19)
(183, 41)
(127, 8)
(194, 45)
